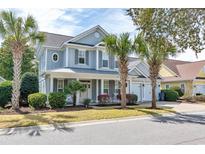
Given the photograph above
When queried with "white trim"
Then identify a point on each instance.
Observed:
(85, 33)
(97, 59)
(51, 83)
(172, 72)
(55, 53)
(102, 86)
(46, 59)
(66, 56)
(58, 82)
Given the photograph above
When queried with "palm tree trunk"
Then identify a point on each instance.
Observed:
(154, 72)
(17, 55)
(154, 104)
(123, 78)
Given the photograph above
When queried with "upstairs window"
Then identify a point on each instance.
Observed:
(116, 62)
(81, 57)
(167, 86)
(55, 57)
(105, 59)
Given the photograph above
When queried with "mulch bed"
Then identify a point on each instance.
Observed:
(28, 110)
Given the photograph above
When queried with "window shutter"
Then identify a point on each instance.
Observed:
(76, 56)
(54, 85)
(111, 61)
(100, 59)
(87, 57)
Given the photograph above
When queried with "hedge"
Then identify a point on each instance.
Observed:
(37, 100)
(177, 89)
(170, 95)
(57, 100)
(131, 98)
(29, 85)
(5, 92)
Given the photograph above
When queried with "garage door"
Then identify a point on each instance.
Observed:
(136, 89)
(147, 92)
(200, 89)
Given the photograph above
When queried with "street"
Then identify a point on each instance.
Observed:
(175, 129)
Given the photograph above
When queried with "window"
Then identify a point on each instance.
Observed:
(106, 87)
(55, 57)
(167, 86)
(60, 85)
(116, 62)
(81, 57)
(105, 59)
(117, 87)
(183, 87)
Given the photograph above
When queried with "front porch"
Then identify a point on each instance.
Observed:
(96, 85)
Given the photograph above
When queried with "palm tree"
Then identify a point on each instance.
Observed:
(120, 46)
(154, 53)
(19, 32)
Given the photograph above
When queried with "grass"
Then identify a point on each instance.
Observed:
(8, 121)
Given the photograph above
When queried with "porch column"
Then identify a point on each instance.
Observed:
(102, 86)
(77, 95)
(51, 84)
(66, 62)
(97, 59)
(97, 90)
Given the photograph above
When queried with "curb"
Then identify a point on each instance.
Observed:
(15, 130)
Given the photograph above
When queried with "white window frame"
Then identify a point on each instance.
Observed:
(167, 85)
(81, 56)
(105, 56)
(106, 83)
(57, 58)
(61, 88)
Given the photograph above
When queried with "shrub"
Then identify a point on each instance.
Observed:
(177, 89)
(170, 95)
(5, 92)
(104, 98)
(131, 98)
(57, 100)
(29, 85)
(37, 100)
(200, 98)
(86, 102)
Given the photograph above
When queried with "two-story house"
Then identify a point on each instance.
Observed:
(84, 58)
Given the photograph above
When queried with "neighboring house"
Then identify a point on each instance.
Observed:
(1, 79)
(83, 57)
(189, 76)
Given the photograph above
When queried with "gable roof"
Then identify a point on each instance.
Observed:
(55, 40)
(87, 32)
(186, 70)
(172, 64)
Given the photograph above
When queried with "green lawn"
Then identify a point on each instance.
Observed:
(8, 121)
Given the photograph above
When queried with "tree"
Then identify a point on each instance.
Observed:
(120, 47)
(154, 54)
(73, 88)
(29, 85)
(19, 33)
(6, 62)
(179, 28)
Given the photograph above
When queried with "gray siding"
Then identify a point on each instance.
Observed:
(91, 39)
(72, 59)
(54, 65)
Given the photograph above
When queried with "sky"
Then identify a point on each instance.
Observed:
(74, 21)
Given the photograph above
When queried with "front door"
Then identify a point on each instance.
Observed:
(87, 92)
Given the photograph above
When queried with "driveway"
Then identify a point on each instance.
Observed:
(179, 107)
(173, 129)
